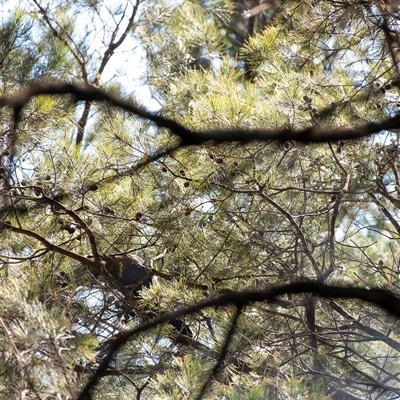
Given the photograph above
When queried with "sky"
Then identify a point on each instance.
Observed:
(128, 64)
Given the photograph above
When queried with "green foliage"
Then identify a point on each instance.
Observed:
(36, 345)
(207, 218)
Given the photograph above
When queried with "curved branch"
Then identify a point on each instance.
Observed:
(88, 93)
(379, 297)
(48, 245)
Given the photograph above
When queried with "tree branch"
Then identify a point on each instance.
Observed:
(88, 93)
(381, 298)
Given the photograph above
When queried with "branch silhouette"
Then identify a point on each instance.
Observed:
(188, 137)
(379, 297)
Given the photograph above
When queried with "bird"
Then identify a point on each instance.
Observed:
(129, 271)
(132, 272)
(203, 62)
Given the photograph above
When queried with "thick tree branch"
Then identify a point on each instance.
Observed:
(381, 298)
(88, 93)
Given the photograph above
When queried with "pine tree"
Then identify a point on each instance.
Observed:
(109, 222)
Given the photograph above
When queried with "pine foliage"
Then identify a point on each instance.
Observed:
(84, 184)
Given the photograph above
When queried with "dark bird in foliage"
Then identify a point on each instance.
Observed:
(129, 272)
(132, 273)
(203, 63)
